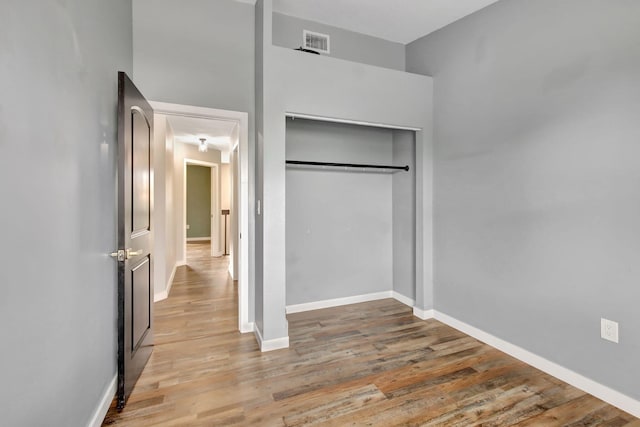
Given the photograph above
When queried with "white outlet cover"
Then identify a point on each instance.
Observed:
(609, 330)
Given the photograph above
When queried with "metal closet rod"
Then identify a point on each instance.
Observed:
(347, 165)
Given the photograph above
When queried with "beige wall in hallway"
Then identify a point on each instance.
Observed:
(163, 212)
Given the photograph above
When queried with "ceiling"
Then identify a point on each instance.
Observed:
(399, 21)
(189, 130)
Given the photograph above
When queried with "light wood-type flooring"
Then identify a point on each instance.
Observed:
(370, 364)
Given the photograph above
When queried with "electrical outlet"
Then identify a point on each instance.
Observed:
(188, 226)
(609, 330)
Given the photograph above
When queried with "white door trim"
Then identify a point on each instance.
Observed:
(242, 118)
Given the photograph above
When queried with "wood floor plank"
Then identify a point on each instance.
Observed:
(372, 364)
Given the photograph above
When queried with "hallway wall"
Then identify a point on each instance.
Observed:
(59, 66)
(163, 208)
(181, 152)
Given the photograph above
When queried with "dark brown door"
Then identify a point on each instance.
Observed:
(135, 235)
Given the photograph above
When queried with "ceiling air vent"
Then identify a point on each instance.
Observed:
(315, 41)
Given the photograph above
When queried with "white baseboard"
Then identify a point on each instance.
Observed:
(336, 302)
(198, 239)
(423, 314)
(105, 402)
(258, 334)
(247, 327)
(270, 345)
(162, 295)
(581, 382)
(218, 254)
(159, 296)
(170, 281)
(181, 262)
(403, 299)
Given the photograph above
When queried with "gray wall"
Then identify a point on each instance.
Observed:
(195, 52)
(404, 214)
(357, 47)
(198, 201)
(58, 66)
(339, 223)
(536, 177)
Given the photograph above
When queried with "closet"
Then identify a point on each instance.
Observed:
(350, 212)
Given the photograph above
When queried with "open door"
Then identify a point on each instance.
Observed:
(135, 237)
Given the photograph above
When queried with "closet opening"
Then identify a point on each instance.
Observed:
(350, 214)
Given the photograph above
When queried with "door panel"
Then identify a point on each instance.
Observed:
(140, 167)
(141, 308)
(135, 236)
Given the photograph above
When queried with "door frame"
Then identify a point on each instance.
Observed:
(244, 261)
(234, 173)
(215, 217)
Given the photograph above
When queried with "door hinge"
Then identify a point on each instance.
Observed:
(121, 255)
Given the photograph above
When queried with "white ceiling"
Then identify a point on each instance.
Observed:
(189, 130)
(399, 21)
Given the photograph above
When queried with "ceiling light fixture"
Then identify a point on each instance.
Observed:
(203, 145)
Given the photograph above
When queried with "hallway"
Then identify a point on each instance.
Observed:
(364, 364)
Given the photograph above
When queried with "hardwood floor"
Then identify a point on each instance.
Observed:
(368, 364)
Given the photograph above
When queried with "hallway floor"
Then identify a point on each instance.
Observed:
(364, 364)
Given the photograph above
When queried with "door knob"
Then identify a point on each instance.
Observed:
(125, 254)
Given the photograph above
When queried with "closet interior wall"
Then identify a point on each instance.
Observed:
(348, 232)
(404, 215)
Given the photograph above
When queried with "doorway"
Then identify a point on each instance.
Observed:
(201, 205)
(238, 219)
